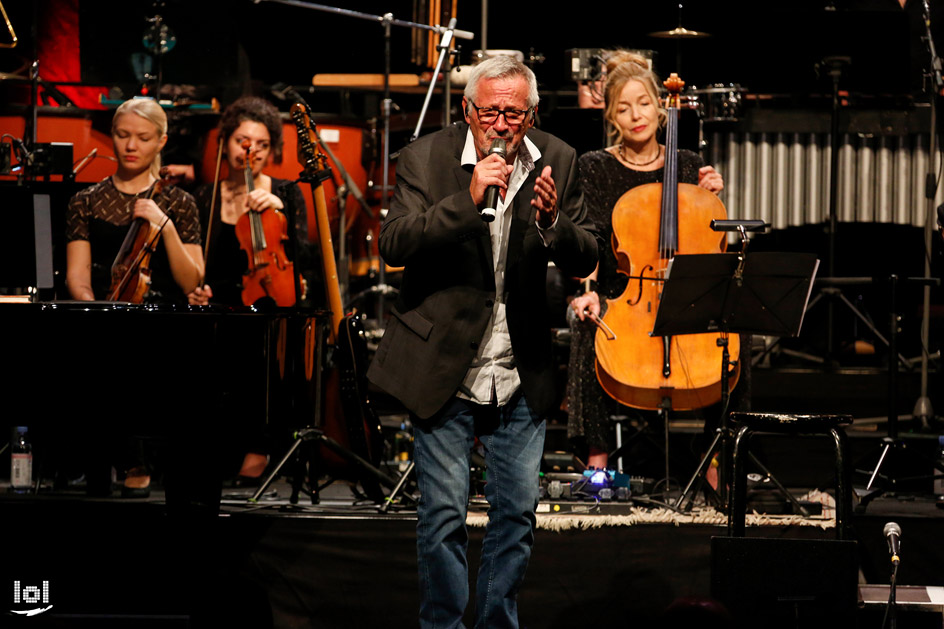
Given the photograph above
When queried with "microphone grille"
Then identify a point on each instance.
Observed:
(498, 146)
(892, 527)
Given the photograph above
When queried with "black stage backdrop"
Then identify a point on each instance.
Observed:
(766, 47)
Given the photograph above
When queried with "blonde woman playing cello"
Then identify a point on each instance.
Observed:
(636, 158)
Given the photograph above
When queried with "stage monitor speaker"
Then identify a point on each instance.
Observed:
(786, 583)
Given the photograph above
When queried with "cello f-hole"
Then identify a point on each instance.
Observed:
(633, 302)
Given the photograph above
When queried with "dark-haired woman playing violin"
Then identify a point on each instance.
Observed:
(255, 123)
(98, 217)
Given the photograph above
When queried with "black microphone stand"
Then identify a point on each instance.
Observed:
(891, 444)
(923, 410)
(891, 609)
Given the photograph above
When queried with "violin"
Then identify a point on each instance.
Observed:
(261, 235)
(651, 224)
(131, 270)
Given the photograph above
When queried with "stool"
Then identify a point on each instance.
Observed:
(794, 425)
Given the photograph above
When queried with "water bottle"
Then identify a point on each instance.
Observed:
(21, 460)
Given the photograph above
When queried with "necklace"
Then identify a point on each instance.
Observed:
(123, 183)
(233, 190)
(622, 153)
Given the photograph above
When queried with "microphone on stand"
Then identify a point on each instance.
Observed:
(84, 162)
(491, 193)
(893, 535)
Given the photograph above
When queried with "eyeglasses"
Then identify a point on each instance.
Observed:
(487, 115)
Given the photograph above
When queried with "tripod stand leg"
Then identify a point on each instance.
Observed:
(878, 466)
(666, 406)
(268, 481)
(700, 472)
(298, 477)
(786, 494)
(400, 484)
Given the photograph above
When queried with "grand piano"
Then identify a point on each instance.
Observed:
(191, 381)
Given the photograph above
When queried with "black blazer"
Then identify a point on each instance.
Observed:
(433, 230)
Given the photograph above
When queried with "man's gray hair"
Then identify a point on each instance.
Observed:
(502, 67)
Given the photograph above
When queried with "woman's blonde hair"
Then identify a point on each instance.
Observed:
(148, 109)
(621, 68)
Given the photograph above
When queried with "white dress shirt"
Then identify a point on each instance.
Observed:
(492, 377)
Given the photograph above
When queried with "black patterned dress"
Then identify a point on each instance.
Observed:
(604, 180)
(101, 215)
(226, 261)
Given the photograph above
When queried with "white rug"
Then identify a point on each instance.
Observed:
(592, 518)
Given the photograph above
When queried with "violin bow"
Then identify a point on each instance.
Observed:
(216, 185)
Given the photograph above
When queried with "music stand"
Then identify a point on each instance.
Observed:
(761, 293)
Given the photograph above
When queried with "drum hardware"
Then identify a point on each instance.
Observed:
(158, 39)
(587, 64)
(588, 70)
(478, 56)
(534, 58)
(460, 74)
(714, 104)
(680, 32)
(9, 24)
(718, 102)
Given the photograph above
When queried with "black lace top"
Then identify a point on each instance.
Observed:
(101, 215)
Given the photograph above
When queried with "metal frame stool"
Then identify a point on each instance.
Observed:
(795, 425)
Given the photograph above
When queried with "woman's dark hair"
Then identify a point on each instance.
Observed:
(257, 110)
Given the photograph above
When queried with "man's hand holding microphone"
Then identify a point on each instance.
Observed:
(489, 178)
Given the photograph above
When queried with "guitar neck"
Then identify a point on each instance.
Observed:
(314, 167)
(332, 285)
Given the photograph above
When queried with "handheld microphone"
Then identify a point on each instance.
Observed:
(893, 534)
(491, 193)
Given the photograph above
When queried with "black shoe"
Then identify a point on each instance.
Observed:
(135, 492)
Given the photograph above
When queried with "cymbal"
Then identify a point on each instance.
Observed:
(679, 33)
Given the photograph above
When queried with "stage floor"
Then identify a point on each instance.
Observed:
(130, 563)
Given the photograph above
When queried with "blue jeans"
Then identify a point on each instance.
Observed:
(513, 437)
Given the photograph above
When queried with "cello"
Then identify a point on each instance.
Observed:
(651, 224)
(261, 236)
